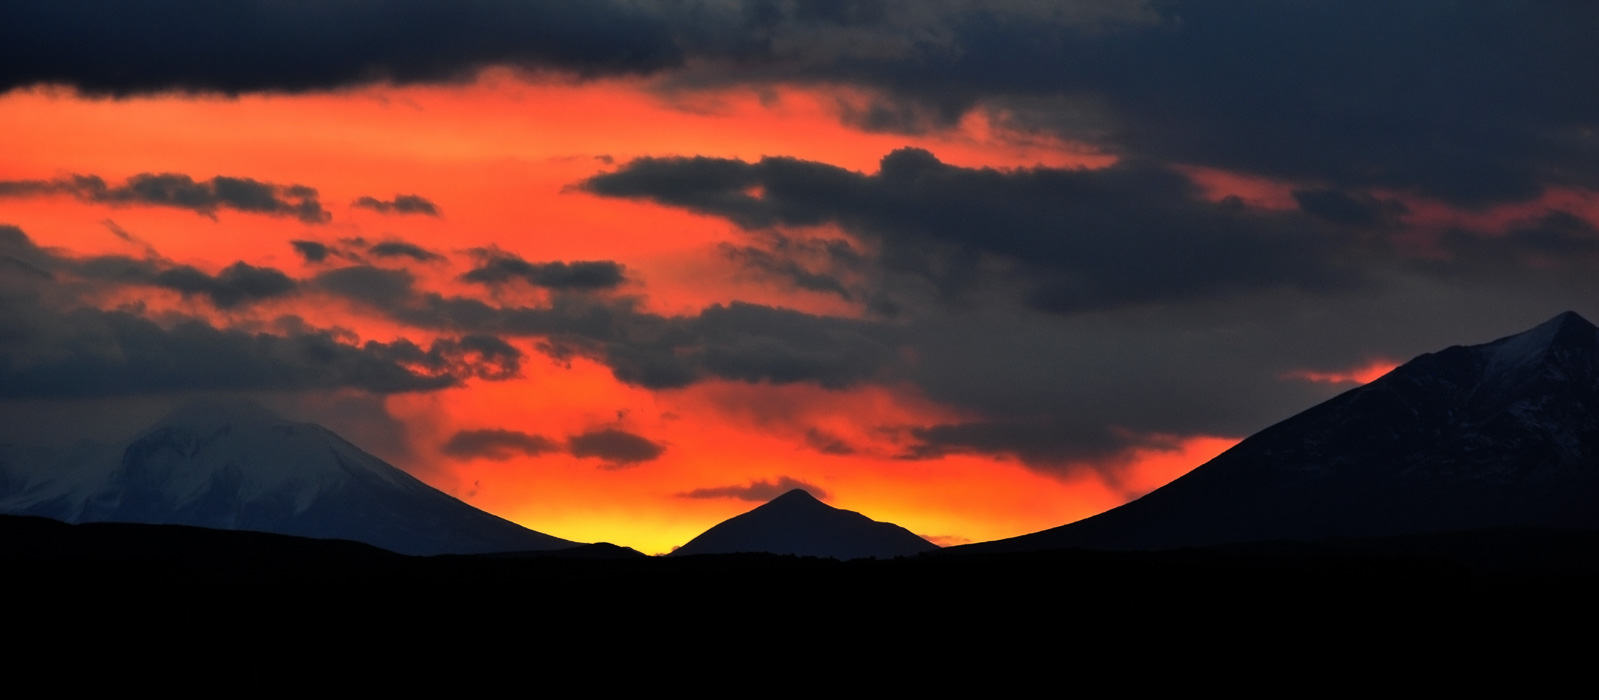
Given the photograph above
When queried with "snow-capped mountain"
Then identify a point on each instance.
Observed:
(1504, 434)
(238, 466)
(796, 523)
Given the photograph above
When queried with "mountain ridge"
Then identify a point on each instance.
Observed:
(1498, 435)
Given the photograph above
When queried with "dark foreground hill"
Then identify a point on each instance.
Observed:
(1487, 437)
(101, 592)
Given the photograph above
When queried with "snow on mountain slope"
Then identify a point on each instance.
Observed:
(238, 466)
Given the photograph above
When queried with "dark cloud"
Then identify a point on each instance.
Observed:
(401, 204)
(1556, 240)
(619, 448)
(1083, 239)
(312, 251)
(204, 197)
(261, 45)
(827, 443)
(401, 249)
(758, 491)
(1042, 442)
(500, 267)
(1360, 210)
(482, 356)
(236, 284)
(112, 353)
(54, 346)
(739, 341)
(1477, 103)
(375, 286)
(1474, 103)
(497, 444)
(812, 265)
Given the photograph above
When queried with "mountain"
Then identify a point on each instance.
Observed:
(796, 523)
(1500, 435)
(238, 466)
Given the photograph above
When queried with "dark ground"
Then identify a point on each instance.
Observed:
(1469, 603)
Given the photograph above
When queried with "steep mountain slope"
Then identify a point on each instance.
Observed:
(237, 466)
(1504, 434)
(797, 523)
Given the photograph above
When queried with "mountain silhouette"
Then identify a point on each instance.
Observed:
(237, 466)
(796, 523)
(1499, 435)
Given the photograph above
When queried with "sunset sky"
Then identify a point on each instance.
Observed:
(620, 270)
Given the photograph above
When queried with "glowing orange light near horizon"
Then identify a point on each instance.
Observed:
(1364, 374)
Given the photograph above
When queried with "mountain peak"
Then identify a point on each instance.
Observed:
(209, 415)
(797, 496)
(1557, 338)
(1499, 435)
(232, 464)
(1570, 317)
(799, 524)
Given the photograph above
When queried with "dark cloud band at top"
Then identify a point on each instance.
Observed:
(1474, 103)
(261, 45)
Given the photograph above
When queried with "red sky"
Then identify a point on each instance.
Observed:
(1090, 275)
(499, 157)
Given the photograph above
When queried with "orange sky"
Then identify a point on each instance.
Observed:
(499, 157)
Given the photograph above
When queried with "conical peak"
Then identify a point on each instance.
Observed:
(205, 415)
(1571, 317)
(1567, 330)
(796, 496)
(1565, 322)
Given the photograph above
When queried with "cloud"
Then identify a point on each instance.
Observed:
(497, 444)
(1472, 104)
(260, 45)
(1078, 239)
(1475, 104)
(401, 204)
(312, 251)
(375, 286)
(97, 353)
(180, 191)
(758, 491)
(1557, 239)
(620, 449)
(1352, 209)
(401, 249)
(237, 284)
(796, 262)
(499, 267)
(56, 346)
(827, 443)
(1042, 441)
(738, 341)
